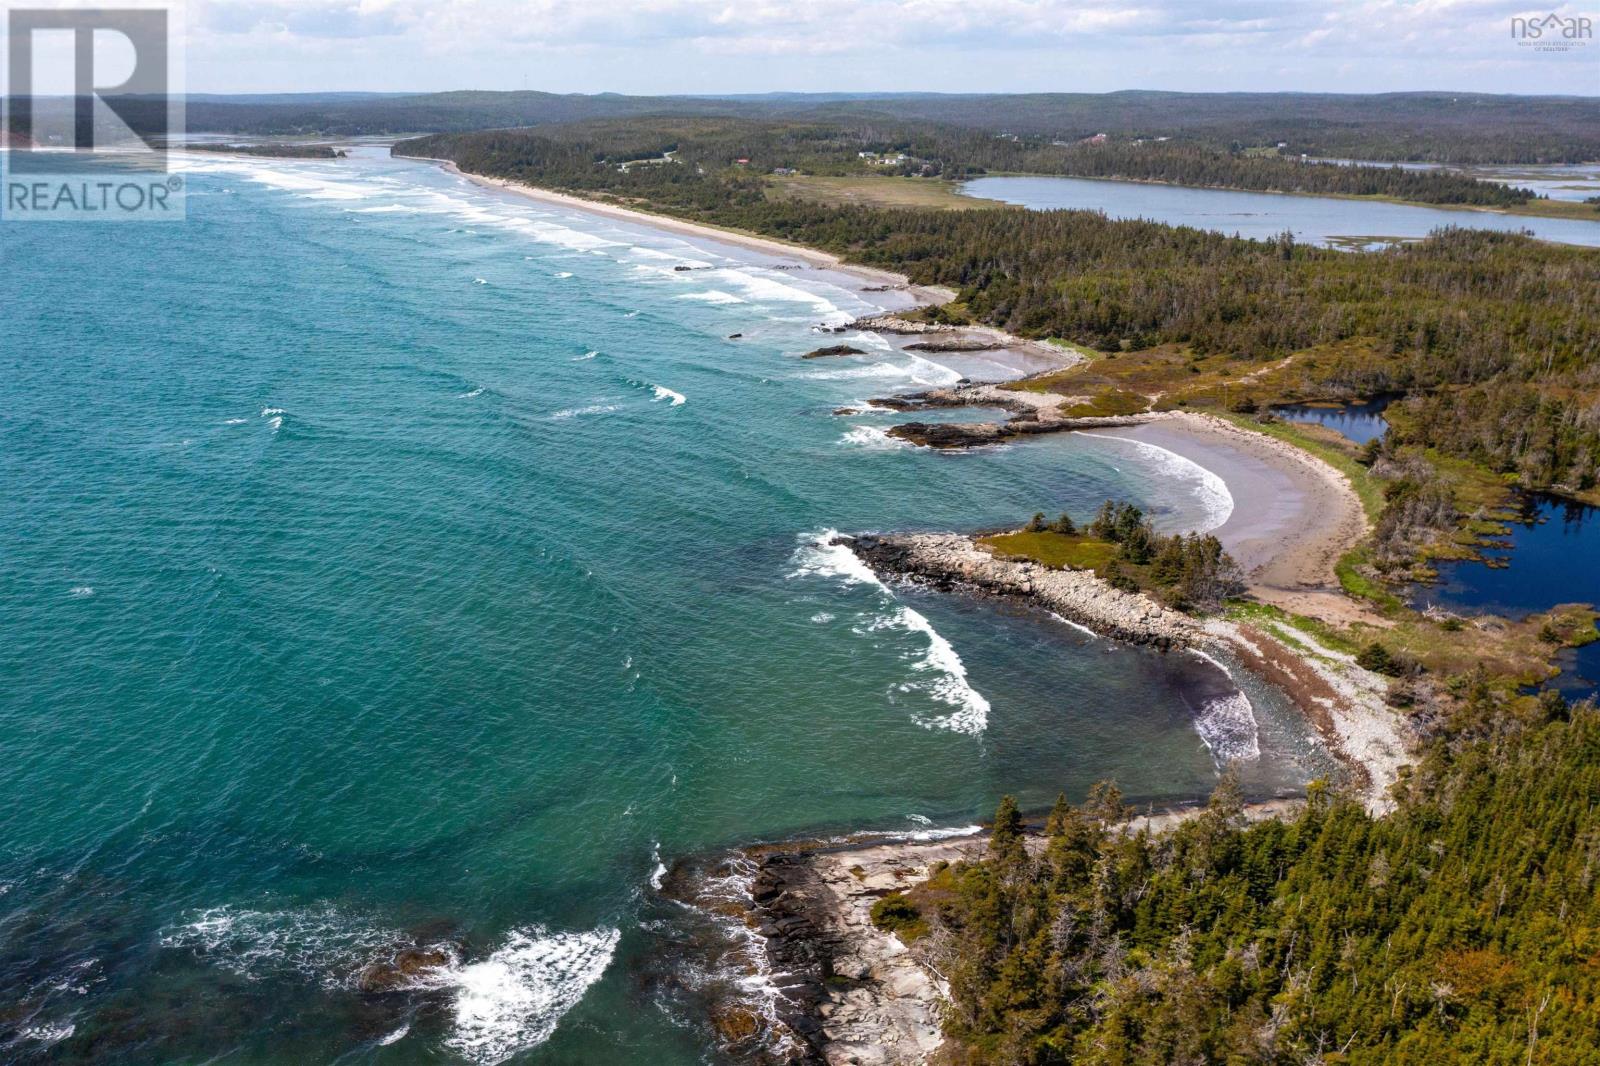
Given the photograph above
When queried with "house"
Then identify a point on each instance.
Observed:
(784, 171)
(741, 162)
(1099, 138)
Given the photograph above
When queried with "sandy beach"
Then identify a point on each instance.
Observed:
(1011, 357)
(1293, 515)
(871, 277)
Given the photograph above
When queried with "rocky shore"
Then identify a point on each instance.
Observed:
(1342, 701)
(829, 987)
(950, 560)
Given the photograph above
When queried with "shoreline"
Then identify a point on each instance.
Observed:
(817, 981)
(827, 981)
(875, 281)
(921, 295)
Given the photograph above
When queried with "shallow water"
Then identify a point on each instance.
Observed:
(389, 561)
(1312, 219)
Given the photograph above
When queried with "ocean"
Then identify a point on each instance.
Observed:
(386, 561)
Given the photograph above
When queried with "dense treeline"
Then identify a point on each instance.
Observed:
(1187, 571)
(1462, 927)
(942, 151)
(1436, 127)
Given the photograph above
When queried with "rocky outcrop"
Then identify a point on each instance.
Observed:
(954, 344)
(833, 349)
(1032, 413)
(852, 994)
(893, 324)
(405, 968)
(950, 560)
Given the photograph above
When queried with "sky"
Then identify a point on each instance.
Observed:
(736, 46)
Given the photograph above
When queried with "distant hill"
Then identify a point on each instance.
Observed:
(1429, 126)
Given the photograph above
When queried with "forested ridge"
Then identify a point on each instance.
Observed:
(1497, 335)
(921, 149)
(1458, 128)
(1462, 927)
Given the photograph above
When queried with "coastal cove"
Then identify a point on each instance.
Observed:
(509, 525)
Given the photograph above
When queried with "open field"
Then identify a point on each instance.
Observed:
(874, 190)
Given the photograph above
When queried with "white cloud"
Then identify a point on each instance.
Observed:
(725, 45)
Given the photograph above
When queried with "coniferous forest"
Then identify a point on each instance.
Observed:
(1463, 927)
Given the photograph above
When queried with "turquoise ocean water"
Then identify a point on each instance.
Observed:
(388, 561)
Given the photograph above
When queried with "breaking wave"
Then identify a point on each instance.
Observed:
(818, 556)
(501, 1005)
(1216, 502)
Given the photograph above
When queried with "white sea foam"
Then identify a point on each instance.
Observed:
(479, 281)
(1085, 630)
(822, 618)
(591, 409)
(308, 185)
(514, 999)
(1211, 492)
(78, 592)
(817, 556)
(916, 370)
(322, 944)
(660, 869)
(49, 1033)
(1227, 724)
(268, 412)
(873, 439)
(663, 393)
(712, 296)
(394, 1037)
(234, 421)
(563, 274)
(948, 833)
(471, 394)
(758, 287)
(950, 685)
(755, 978)
(585, 356)
(502, 1005)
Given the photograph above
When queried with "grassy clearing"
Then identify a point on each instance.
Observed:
(877, 190)
(1056, 550)
(1266, 614)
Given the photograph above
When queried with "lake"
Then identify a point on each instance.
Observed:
(1320, 220)
(1359, 422)
(1553, 557)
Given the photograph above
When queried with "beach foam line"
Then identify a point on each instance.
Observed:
(1216, 502)
(1227, 724)
(663, 393)
(1227, 727)
(711, 296)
